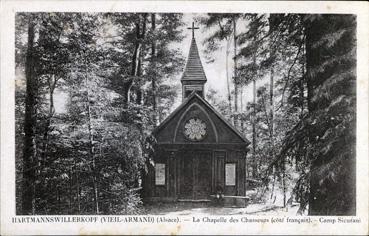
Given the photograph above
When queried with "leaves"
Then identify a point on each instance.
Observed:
(93, 151)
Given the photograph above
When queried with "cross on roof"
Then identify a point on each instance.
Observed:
(193, 29)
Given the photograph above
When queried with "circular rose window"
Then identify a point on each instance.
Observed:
(195, 129)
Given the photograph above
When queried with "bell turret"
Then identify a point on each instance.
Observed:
(193, 78)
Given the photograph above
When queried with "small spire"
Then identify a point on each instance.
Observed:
(193, 77)
(193, 69)
(193, 29)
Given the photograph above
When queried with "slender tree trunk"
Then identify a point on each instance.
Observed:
(254, 167)
(273, 184)
(29, 149)
(302, 87)
(41, 159)
(140, 35)
(227, 77)
(78, 192)
(271, 92)
(235, 79)
(52, 85)
(91, 149)
(271, 20)
(271, 112)
(76, 173)
(70, 191)
(128, 85)
(241, 106)
(139, 92)
(154, 72)
(45, 139)
(284, 187)
(254, 162)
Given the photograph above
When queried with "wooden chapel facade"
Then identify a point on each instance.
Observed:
(198, 153)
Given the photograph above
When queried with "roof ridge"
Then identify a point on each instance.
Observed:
(185, 102)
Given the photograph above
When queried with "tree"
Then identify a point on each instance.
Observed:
(253, 52)
(323, 140)
(330, 62)
(88, 157)
(225, 29)
(29, 146)
(153, 79)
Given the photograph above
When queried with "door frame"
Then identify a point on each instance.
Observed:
(194, 156)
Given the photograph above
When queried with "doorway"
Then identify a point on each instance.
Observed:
(195, 175)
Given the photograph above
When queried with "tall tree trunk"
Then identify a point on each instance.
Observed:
(154, 73)
(52, 84)
(129, 83)
(302, 91)
(273, 183)
(271, 112)
(52, 80)
(254, 161)
(91, 148)
(235, 79)
(227, 77)
(271, 82)
(139, 91)
(140, 35)
(310, 57)
(271, 91)
(70, 191)
(284, 187)
(29, 149)
(241, 106)
(45, 139)
(78, 188)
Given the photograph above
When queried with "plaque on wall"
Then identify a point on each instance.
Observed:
(159, 174)
(230, 174)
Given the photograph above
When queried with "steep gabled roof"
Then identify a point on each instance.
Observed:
(185, 102)
(193, 69)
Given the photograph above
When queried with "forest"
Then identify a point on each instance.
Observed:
(116, 75)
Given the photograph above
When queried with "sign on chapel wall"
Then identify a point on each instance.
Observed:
(159, 174)
(230, 174)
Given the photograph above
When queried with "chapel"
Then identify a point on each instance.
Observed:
(198, 152)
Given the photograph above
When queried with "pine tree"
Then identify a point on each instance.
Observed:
(324, 139)
(330, 62)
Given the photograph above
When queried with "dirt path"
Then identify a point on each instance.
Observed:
(252, 209)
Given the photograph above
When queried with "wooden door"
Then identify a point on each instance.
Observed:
(203, 175)
(195, 170)
(186, 178)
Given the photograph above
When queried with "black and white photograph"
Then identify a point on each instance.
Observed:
(183, 114)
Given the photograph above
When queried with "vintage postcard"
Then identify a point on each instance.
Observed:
(184, 117)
